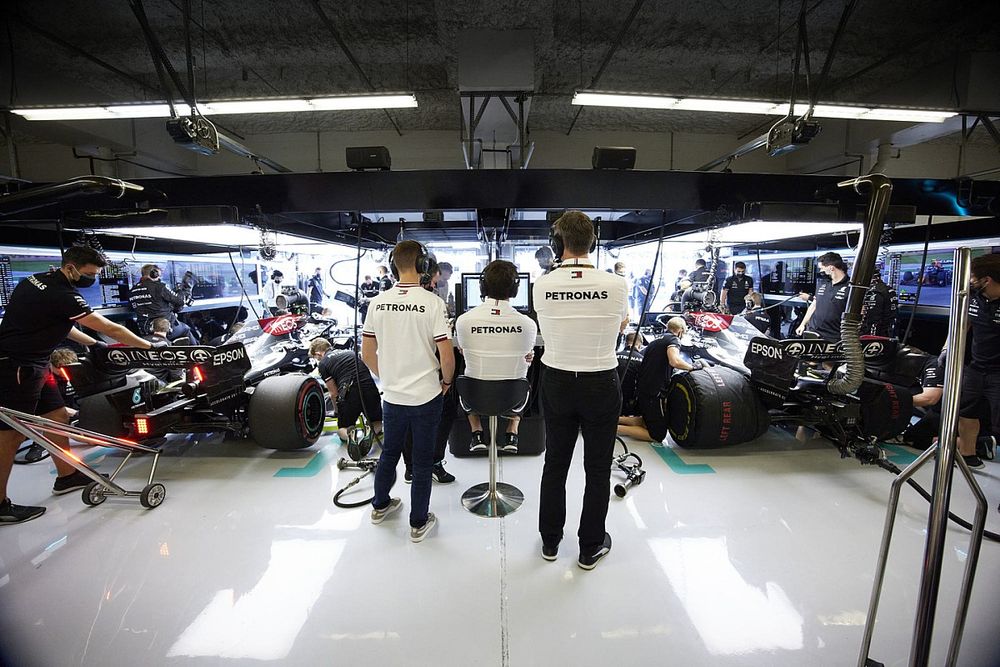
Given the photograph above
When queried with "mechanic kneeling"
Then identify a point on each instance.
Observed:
(151, 299)
(41, 313)
(351, 386)
(659, 360)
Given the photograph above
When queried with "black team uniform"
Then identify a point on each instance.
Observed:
(831, 301)
(738, 288)
(356, 390)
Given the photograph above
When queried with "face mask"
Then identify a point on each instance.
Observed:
(83, 281)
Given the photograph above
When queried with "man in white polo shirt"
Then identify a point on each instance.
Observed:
(581, 311)
(497, 342)
(405, 325)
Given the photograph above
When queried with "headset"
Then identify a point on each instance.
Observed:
(277, 274)
(511, 291)
(154, 273)
(557, 245)
(425, 262)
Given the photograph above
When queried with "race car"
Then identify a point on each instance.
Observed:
(751, 381)
(256, 389)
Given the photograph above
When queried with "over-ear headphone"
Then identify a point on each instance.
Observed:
(423, 263)
(154, 272)
(557, 245)
(511, 291)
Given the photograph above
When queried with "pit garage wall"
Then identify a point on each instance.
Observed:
(50, 158)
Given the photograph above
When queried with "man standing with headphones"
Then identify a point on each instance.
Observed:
(271, 291)
(405, 326)
(151, 299)
(581, 311)
(497, 342)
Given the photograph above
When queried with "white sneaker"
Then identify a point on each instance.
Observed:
(418, 534)
(378, 516)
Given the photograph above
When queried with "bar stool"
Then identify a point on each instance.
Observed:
(492, 398)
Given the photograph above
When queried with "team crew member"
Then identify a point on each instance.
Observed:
(369, 290)
(316, 291)
(659, 360)
(352, 388)
(881, 304)
(755, 313)
(629, 359)
(928, 399)
(384, 281)
(736, 289)
(41, 313)
(151, 299)
(581, 311)
(405, 326)
(441, 288)
(981, 380)
(271, 291)
(497, 342)
(161, 328)
(699, 275)
(825, 311)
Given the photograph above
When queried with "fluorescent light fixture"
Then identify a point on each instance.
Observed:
(224, 235)
(760, 231)
(618, 100)
(758, 107)
(221, 107)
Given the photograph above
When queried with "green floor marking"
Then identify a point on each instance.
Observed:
(319, 461)
(902, 456)
(677, 464)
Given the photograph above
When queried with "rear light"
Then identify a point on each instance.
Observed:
(198, 375)
(64, 373)
(142, 425)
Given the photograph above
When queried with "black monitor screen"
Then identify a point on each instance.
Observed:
(470, 292)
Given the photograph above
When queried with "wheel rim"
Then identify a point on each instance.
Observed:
(313, 411)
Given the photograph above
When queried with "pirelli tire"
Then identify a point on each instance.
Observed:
(885, 409)
(287, 412)
(713, 407)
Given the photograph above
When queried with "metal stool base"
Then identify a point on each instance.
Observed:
(478, 499)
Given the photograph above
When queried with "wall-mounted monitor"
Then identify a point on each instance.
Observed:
(469, 294)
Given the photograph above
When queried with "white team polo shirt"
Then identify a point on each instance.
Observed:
(495, 339)
(580, 311)
(408, 322)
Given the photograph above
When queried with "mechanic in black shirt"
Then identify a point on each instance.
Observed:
(880, 307)
(369, 290)
(825, 311)
(755, 313)
(41, 313)
(736, 289)
(981, 379)
(629, 360)
(351, 386)
(384, 280)
(160, 337)
(150, 299)
(316, 291)
(699, 276)
(922, 434)
(659, 360)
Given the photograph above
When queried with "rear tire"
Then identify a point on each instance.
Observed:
(714, 407)
(287, 412)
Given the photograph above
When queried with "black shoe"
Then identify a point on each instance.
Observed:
(589, 561)
(973, 462)
(408, 476)
(72, 482)
(478, 444)
(510, 443)
(11, 513)
(440, 475)
(986, 447)
(550, 551)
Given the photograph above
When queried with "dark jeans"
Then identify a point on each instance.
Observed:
(572, 402)
(422, 421)
(448, 407)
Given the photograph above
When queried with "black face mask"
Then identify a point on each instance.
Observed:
(83, 281)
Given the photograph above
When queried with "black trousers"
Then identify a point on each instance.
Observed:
(448, 407)
(571, 403)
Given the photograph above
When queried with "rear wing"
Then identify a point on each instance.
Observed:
(212, 362)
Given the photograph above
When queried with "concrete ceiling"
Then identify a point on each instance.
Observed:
(253, 48)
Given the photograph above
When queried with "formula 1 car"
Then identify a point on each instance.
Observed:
(257, 390)
(751, 381)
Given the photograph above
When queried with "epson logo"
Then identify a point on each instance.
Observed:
(229, 356)
(766, 351)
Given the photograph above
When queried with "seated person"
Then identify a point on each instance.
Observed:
(755, 313)
(659, 360)
(61, 357)
(351, 386)
(497, 342)
(160, 329)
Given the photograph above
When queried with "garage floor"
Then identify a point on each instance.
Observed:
(762, 554)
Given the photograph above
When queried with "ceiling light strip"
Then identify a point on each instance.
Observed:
(223, 107)
(850, 112)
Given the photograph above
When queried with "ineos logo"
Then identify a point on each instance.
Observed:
(200, 356)
(795, 349)
(873, 350)
(118, 357)
(281, 326)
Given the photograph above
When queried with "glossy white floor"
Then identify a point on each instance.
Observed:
(762, 554)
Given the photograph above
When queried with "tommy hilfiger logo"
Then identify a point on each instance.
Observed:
(576, 274)
(494, 311)
(403, 292)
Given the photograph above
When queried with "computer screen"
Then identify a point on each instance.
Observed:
(470, 292)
